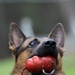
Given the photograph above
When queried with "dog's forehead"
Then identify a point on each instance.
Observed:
(45, 38)
(40, 39)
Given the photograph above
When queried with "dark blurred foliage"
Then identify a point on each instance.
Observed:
(44, 16)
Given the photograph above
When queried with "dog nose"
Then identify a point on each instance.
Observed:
(50, 43)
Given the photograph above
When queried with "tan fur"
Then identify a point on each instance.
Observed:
(59, 66)
(22, 59)
(20, 63)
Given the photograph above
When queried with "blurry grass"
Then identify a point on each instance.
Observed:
(69, 64)
(6, 66)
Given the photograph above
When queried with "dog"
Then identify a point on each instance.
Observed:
(24, 47)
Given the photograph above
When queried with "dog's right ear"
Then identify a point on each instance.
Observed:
(16, 36)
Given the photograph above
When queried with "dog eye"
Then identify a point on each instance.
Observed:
(33, 43)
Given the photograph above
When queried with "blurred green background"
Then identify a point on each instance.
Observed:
(6, 66)
(37, 18)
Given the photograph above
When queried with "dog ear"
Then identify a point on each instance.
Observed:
(58, 35)
(16, 37)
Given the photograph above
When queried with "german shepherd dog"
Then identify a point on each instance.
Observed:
(26, 47)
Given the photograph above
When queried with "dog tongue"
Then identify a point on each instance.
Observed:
(37, 64)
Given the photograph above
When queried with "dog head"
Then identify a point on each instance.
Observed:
(26, 47)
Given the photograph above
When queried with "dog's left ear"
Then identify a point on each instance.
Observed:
(58, 35)
(16, 36)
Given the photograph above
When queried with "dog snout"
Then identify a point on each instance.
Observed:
(49, 43)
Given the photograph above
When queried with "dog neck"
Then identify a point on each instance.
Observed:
(19, 64)
(18, 69)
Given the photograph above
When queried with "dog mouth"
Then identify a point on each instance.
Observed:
(42, 56)
(46, 63)
(47, 73)
(41, 64)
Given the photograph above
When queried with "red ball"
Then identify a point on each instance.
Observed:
(36, 64)
(49, 63)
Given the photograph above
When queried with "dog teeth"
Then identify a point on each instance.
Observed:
(48, 73)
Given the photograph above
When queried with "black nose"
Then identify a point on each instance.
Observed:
(50, 43)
